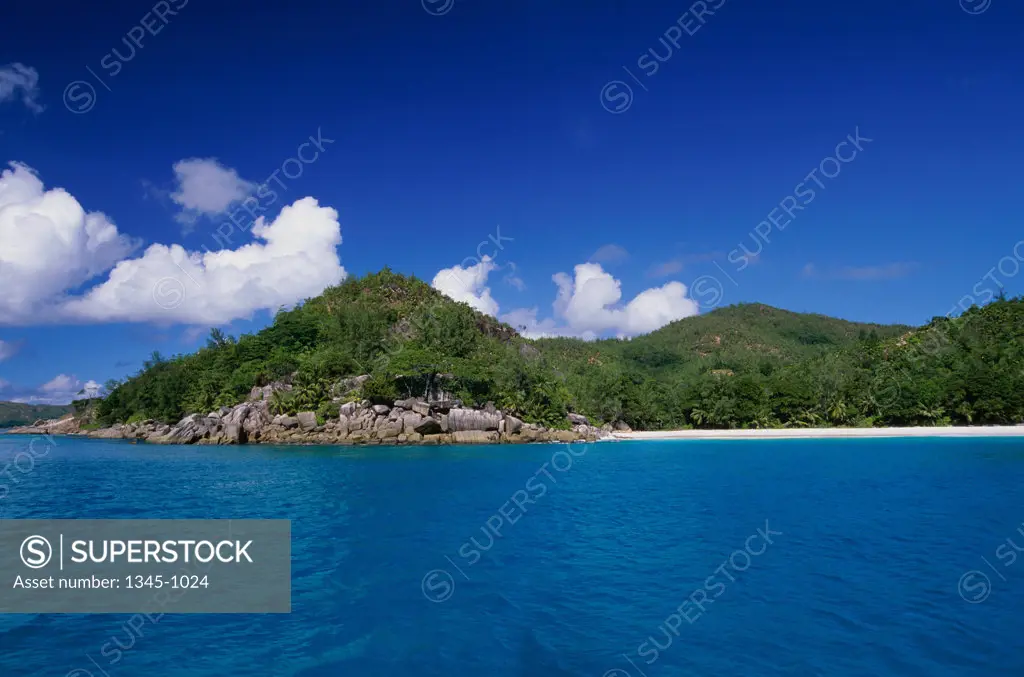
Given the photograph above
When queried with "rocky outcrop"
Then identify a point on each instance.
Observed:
(306, 420)
(66, 425)
(474, 437)
(578, 419)
(411, 421)
(261, 393)
(513, 425)
(349, 386)
(460, 420)
(428, 426)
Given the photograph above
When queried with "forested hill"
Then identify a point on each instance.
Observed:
(749, 365)
(16, 413)
(743, 337)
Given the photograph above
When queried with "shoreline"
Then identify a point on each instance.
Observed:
(631, 436)
(824, 433)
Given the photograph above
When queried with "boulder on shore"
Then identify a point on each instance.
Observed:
(409, 421)
(578, 419)
(307, 420)
(460, 420)
(428, 426)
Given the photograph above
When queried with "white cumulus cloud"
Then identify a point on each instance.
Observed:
(60, 263)
(589, 302)
(295, 259)
(20, 81)
(205, 187)
(587, 305)
(469, 285)
(48, 244)
(63, 387)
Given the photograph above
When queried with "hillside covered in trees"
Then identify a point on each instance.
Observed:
(742, 366)
(15, 413)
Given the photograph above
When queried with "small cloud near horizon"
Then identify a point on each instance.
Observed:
(887, 271)
(679, 263)
(61, 389)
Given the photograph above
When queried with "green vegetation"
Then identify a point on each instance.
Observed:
(14, 413)
(738, 367)
(409, 338)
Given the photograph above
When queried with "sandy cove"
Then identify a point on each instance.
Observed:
(825, 433)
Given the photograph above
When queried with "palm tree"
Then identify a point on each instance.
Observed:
(930, 414)
(838, 411)
(807, 419)
(281, 402)
(699, 416)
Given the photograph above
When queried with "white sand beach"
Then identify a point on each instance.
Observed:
(821, 433)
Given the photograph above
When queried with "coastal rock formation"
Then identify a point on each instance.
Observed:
(411, 421)
(578, 419)
(460, 420)
(66, 425)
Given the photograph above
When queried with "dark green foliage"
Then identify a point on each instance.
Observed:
(381, 389)
(15, 413)
(755, 366)
(409, 338)
(737, 367)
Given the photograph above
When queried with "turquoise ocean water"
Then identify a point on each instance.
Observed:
(837, 558)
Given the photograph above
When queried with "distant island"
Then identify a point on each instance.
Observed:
(385, 358)
(16, 413)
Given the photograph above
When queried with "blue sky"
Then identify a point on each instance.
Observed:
(622, 186)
